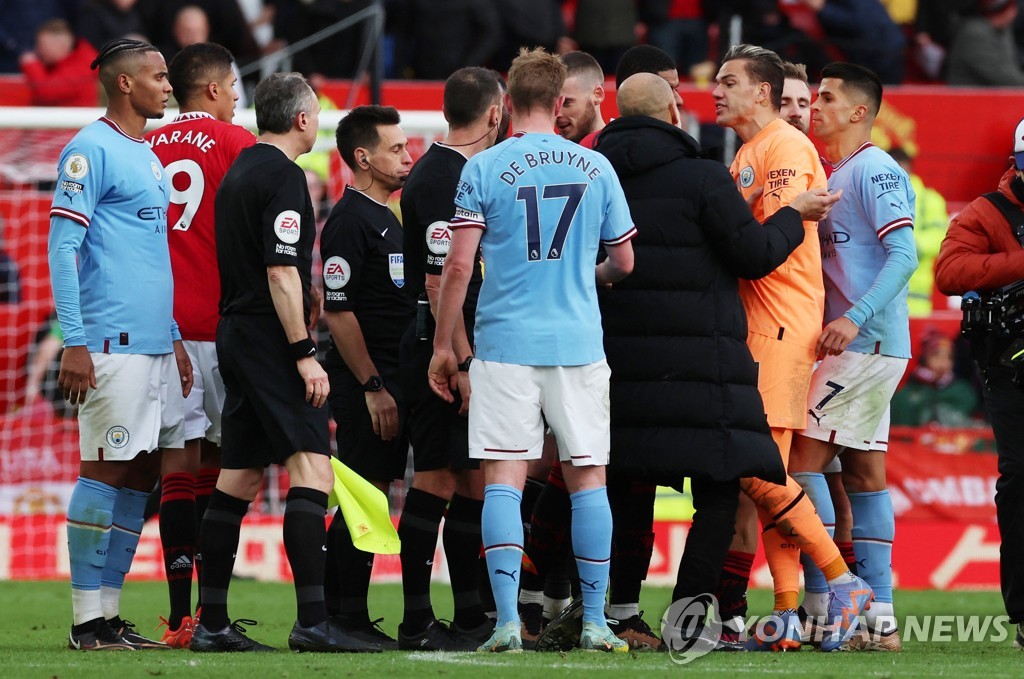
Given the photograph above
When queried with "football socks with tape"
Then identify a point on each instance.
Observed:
(89, 518)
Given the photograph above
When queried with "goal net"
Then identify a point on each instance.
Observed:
(38, 430)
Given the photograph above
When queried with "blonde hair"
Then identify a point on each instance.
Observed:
(535, 79)
(793, 71)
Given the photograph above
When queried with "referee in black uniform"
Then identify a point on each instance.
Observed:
(438, 430)
(275, 389)
(367, 311)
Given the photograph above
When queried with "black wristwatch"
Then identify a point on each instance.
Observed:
(304, 348)
(464, 366)
(375, 383)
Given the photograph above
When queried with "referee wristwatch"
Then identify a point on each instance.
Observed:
(304, 348)
(375, 383)
(464, 366)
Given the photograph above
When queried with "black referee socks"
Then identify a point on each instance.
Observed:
(218, 542)
(462, 543)
(421, 518)
(305, 543)
(348, 576)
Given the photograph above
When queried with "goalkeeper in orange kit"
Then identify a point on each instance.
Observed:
(784, 314)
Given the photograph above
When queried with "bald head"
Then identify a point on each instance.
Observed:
(646, 94)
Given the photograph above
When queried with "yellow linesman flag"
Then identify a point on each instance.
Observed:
(365, 509)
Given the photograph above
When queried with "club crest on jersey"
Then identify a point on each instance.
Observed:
(76, 166)
(286, 226)
(396, 267)
(439, 238)
(117, 437)
(747, 177)
(336, 272)
(158, 172)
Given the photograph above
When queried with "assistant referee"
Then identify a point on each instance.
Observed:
(367, 312)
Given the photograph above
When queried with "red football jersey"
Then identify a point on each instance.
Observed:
(196, 150)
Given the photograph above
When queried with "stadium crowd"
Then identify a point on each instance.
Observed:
(962, 42)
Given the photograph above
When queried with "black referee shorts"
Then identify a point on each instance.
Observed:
(266, 416)
(358, 447)
(438, 434)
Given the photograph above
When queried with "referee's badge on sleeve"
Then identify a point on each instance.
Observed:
(396, 267)
(286, 226)
(439, 238)
(336, 272)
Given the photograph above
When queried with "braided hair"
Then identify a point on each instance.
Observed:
(114, 49)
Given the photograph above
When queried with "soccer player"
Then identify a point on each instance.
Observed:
(633, 538)
(274, 386)
(868, 255)
(539, 206)
(650, 59)
(796, 97)
(445, 476)
(776, 163)
(367, 312)
(545, 590)
(123, 361)
(580, 118)
(547, 584)
(796, 110)
(196, 149)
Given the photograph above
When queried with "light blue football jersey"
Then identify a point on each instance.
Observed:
(115, 187)
(545, 205)
(877, 199)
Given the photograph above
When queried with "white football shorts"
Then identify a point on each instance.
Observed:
(511, 403)
(135, 408)
(205, 402)
(848, 403)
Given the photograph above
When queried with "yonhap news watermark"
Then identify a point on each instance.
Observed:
(691, 628)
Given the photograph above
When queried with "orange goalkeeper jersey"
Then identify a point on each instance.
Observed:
(788, 304)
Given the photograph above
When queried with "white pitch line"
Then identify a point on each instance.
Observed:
(699, 667)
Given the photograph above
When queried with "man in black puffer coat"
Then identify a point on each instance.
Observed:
(684, 398)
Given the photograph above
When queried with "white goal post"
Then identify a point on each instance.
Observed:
(414, 123)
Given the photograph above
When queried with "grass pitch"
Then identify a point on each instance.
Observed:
(37, 616)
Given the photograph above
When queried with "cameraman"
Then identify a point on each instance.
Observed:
(982, 253)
